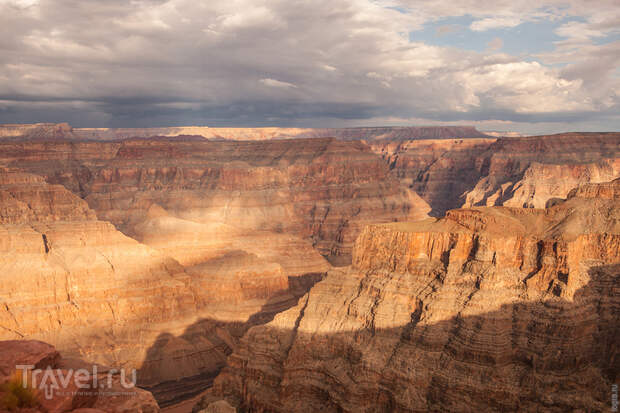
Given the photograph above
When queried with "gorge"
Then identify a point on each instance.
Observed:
(364, 269)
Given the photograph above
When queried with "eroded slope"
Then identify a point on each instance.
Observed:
(488, 309)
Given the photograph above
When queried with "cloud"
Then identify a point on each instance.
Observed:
(337, 62)
(277, 83)
(578, 30)
(21, 4)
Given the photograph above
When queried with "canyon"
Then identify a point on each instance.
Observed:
(297, 259)
(523, 171)
(487, 309)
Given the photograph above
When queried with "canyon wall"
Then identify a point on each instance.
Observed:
(522, 171)
(323, 190)
(77, 282)
(487, 309)
(440, 171)
(223, 234)
(448, 167)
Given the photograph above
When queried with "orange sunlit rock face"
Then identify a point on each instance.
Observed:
(489, 308)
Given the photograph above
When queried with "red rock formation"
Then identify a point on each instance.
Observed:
(522, 172)
(97, 390)
(446, 173)
(215, 230)
(440, 171)
(225, 235)
(528, 171)
(75, 281)
(321, 189)
(488, 309)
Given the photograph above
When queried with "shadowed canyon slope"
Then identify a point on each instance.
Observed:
(524, 172)
(224, 232)
(487, 309)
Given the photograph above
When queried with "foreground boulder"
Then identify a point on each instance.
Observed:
(35, 378)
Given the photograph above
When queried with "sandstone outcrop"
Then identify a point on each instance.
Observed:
(161, 253)
(450, 167)
(519, 171)
(69, 385)
(528, 171)
(487, 309)
(440, 171)
(323, 190)
(216, 236)
(227, 234)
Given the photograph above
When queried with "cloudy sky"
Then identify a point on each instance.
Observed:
(525, 65)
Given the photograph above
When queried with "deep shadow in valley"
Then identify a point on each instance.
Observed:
(553, 355)
(199, 354)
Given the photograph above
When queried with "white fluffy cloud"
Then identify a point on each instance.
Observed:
(277, 83)
(337, 62)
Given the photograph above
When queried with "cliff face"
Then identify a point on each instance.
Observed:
(225, 233)
(440, 171)
(522, 172)
(320, 189)
(527, 172)
(488, 309)
(77, 282)
(448, 167)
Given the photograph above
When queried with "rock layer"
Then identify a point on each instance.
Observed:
(488, 309)
(522, 171)
(320, 189)
(527, 172)
(225, 233)
(440, 171)
(77, 282)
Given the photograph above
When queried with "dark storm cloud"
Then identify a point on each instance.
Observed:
(249, 62)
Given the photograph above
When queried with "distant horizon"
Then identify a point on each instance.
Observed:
(494, 132)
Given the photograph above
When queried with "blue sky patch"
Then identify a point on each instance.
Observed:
(526, 38)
